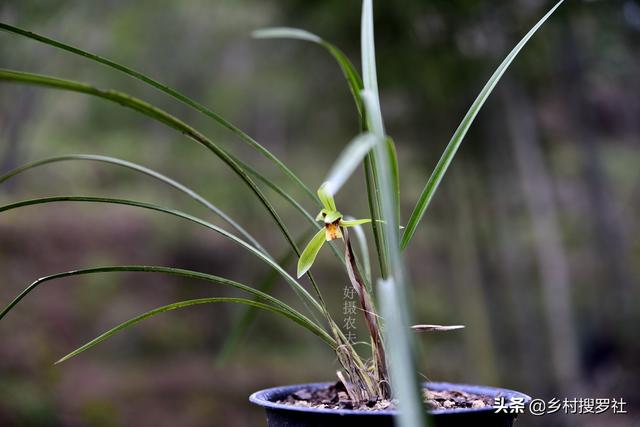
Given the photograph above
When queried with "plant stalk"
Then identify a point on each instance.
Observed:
(371, 319)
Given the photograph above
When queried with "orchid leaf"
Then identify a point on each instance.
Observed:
(285, 33)
(175, 306)
(306, 297)
(394, 300)
(179, 272)
(395, 174)
(160, 116)
(167, 90)
(348, 161)
(139, 168)
(350, 73)
(450, 151)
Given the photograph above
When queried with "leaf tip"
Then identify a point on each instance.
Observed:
(59, 361)
(301, 270)
(258, 34)
(436, 328)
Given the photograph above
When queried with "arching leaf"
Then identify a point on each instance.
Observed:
(170, 307)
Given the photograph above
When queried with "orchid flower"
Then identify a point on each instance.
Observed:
(333, 222)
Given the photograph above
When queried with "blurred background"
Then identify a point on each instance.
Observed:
(532, 240)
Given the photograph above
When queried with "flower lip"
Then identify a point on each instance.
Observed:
(333, 231)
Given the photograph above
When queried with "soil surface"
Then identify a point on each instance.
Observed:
(336, 397)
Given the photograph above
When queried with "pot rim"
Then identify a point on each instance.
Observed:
(261, 398)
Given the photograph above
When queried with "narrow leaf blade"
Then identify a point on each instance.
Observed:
(349, 71)
(369, 73)
(144, 170)
(163, 309)
(179, 272)
(395, 306)
(167, 90)
(162, 117)
(285, 33)
(450, 151)
(304, 295)
(348, 161)
(436, 328)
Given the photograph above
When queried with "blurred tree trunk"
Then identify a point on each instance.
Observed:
(550, 254)
(14, 116)
(611, 244)
(520, 292)
(16, 106)
(467, 283)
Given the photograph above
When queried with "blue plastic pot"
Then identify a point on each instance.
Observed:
(283, 415)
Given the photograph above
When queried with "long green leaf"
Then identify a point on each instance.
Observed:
(229, 159)
(139, 168)
(399, 343)
(401, 351)
(298, 207)
(170, 307)
(286, 196)
(163, 117)
(369, 74)
(374, 123)
(297, 287)
(282, 193)
(285, 33)
(355, 84)
(351, 75)
(395, 174)
(351, 156)
(450, 151)
(373, 200)
(292, 313)
(374, 162)
(169, 91)
(242, 325)
(305, 213)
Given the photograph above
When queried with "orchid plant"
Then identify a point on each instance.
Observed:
(366, 378)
